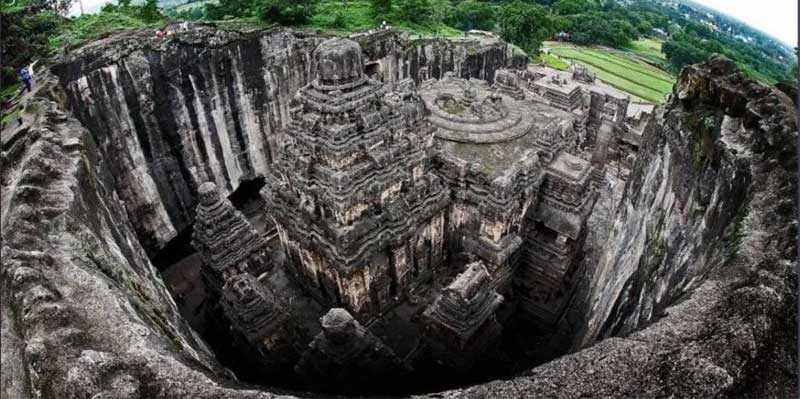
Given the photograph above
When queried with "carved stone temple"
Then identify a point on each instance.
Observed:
(417, 215)
(461, 320)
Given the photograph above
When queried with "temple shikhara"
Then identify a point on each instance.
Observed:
(417, 216)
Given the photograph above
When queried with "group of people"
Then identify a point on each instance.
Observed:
(166, 31)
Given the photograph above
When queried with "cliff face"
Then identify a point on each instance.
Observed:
(696, 288)
(698, 275)
(393, 57)
(170, 115)
(715, 159)
(83, 310)
(206, 106)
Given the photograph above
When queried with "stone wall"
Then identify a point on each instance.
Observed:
(205, 105)
(393, 57)
(83, 309)
(707, 215)
(696, 188)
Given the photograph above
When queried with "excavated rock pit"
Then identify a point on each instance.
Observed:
(689, 283)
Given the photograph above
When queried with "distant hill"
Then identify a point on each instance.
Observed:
(737, 28)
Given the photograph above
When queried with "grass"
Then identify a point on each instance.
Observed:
(625, 73)
(10, 90)
(91, 26)
(554, 62)
(648, 48)
(332, 16)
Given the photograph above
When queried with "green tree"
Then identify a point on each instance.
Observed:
(601, 28)
(232, 8)
(149, 12)
(287, 12)
(473, 14)
(25, 39)
(441, 11)
(415, 11)
(524, 24)
(380, 7)
(682, 53)
(571, 7)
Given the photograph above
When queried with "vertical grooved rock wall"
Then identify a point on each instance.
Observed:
(84, 311)
(690, 197)
(206, 105)
(168, 119)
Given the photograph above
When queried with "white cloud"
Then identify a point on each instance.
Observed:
(776, 17)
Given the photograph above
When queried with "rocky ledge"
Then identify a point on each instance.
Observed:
(695, 292)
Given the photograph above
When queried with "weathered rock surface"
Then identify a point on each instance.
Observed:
(206, 104)
(703, 248)
(85, 314)
(706, 221)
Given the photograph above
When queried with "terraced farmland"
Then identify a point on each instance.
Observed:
(625, 73)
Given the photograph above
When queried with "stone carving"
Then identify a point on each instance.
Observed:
(461, 321)
(347, 353)
(367, 209)
(63, 300)
(507, 82)
(227, 242)
(252, 307)
(259, 316)
(353, 178)
(467, 111)
(582, 74)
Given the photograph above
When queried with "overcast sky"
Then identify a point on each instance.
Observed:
(776, 17)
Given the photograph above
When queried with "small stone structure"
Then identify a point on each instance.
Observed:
(256, 312)
(507, 82)
(227, 242)
(582, 74)
(461, 320)
(346, 352)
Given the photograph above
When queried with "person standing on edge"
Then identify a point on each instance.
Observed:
(26, 79)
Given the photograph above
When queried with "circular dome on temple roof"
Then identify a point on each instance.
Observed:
(208, 193)
(338, 63)
(336, 319)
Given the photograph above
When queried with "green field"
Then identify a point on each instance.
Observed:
(555, 62)
(649, 49)
(621, 70)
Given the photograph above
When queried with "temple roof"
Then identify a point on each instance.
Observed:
(466, 304)
(221, 233)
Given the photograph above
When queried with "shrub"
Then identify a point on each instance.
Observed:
(415, 11)
(524, 24)
(287, 12)
(473, 14)
(380, 7)
(149, 12)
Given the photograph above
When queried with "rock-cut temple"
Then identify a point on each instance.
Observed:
(418, 215)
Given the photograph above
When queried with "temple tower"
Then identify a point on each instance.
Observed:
(346, 352)
(357, 210)
(227, 242)
(256, 313)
